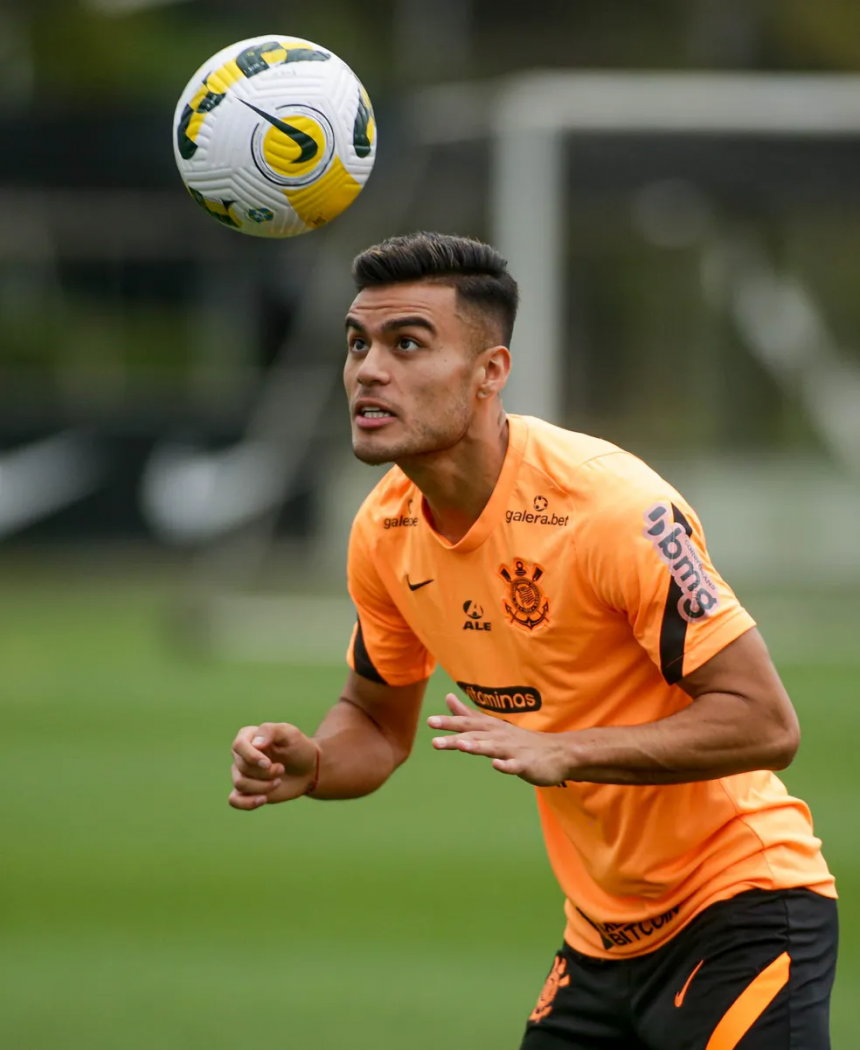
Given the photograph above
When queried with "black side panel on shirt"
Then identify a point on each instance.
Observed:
(363, 663)
(673, 633)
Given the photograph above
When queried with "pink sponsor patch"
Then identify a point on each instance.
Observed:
(699, 594)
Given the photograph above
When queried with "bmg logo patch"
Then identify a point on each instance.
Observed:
(699, 594)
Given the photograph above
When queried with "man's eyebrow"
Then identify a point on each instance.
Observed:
(408, 322)
(394, 324)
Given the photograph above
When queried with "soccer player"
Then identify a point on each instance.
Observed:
(567, 589)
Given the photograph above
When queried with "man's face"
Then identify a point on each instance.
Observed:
(410, 372)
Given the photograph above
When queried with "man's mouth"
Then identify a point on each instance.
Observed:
(371, 417)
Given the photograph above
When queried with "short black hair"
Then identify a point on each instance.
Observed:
(476, 270)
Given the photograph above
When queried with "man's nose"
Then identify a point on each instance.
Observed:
(373, 370)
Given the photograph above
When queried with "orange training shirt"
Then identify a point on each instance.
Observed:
(579, 598)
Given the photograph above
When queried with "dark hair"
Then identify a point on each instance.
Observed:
(477, 271)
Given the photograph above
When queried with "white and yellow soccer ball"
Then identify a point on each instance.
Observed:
(274, 136)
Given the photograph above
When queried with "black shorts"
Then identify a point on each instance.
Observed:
(750, 973)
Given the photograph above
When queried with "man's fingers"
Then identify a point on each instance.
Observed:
(461, 723)
(252, 769)
(269, 733)
(245, 749)
(252, 741)
(512, 766)
(473, 744)
(255, 774)
(252, 786)
(239, 801)
(456, 705)
(461, 719)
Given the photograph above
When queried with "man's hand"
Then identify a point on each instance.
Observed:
(538, 758)
(273, 762)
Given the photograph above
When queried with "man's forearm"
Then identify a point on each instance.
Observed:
(716, 736)
(356, 757)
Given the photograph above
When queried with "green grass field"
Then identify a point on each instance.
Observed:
(141, 912)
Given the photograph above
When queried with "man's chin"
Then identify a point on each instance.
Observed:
(372, 453)
(372, 458)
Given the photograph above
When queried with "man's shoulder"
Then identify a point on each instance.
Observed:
(582, 463)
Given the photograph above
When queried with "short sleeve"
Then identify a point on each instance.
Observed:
(645, 555)
(383, 646)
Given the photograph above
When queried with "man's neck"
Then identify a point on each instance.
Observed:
(457, 484)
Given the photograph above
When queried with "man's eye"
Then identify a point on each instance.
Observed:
(357, 345)
(407, 343)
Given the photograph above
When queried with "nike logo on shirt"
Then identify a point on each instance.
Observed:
(417, 586)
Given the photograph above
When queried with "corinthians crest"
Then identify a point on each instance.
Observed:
(525, 603)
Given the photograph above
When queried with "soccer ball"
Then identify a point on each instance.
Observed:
(274, 136)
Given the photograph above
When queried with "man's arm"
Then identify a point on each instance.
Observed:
(741, 719)
(358, 745)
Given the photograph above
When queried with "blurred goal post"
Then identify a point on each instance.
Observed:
(527, 119)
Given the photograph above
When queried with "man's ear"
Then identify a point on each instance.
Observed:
(495, 369)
